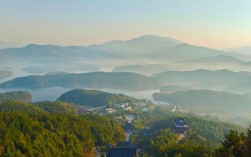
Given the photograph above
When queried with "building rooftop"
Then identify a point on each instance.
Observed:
(123, 149)
(180, 126)
(125, 144)
(180, 122)
(121, 152)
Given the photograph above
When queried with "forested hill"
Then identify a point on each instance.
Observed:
(208, 101)
(221, 80)
(38, 107)
(20, 96)
(54, 129)
(111, 80)
(157, 138)
(24, 132)
(94, 98)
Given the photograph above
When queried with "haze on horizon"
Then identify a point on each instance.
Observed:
(216, 24)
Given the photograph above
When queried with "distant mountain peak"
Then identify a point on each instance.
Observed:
(169, 39)
(31, 45)
(142, 45)
(147, 37)
(40, 45)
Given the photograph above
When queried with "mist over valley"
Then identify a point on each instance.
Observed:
(139, 65)
(125, 78)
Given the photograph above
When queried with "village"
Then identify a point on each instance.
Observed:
(125, 114)
(129, 149)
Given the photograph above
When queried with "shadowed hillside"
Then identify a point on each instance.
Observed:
(125, 81)
(208, 101)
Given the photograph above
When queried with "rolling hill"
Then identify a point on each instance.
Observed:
(208, 101)
(146, 69)
(220, 80)
(222, 61)
(35, 52)
(209, 63)
(20, 96)
(203, 79)
(101, 80)
(94, 98)
(46, 58)
(186, 51)
(246, 66)
(219, 59)
(83, 67)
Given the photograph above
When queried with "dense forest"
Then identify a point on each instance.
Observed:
(235, 144)
(30, 129)
(24, 132)
(156, 138)
(211, 129)
(164, 143)
(21, 96)
(57, 107)
(94, 98)
(54, 129)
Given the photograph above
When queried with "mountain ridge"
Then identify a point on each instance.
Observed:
(116, 80)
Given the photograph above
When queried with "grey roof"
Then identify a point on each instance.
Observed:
(121, 152)
(125, 144)
(123, 149)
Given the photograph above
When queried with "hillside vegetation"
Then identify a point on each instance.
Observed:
(57, 107)
(54, 129)
(23, 132)
(38, 107)
(20, 96)
(94, 98)
(157, 139)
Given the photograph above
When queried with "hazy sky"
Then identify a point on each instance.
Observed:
(214, 23)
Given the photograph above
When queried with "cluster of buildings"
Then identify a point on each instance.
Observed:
(141, 105)
(117, 107)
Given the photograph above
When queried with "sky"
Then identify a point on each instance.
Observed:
(211, 23)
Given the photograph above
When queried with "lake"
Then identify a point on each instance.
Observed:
(54, 92)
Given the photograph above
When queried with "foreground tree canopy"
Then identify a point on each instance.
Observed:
(156, 138)
(235, 144)
(46, 134)
(54, 129)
